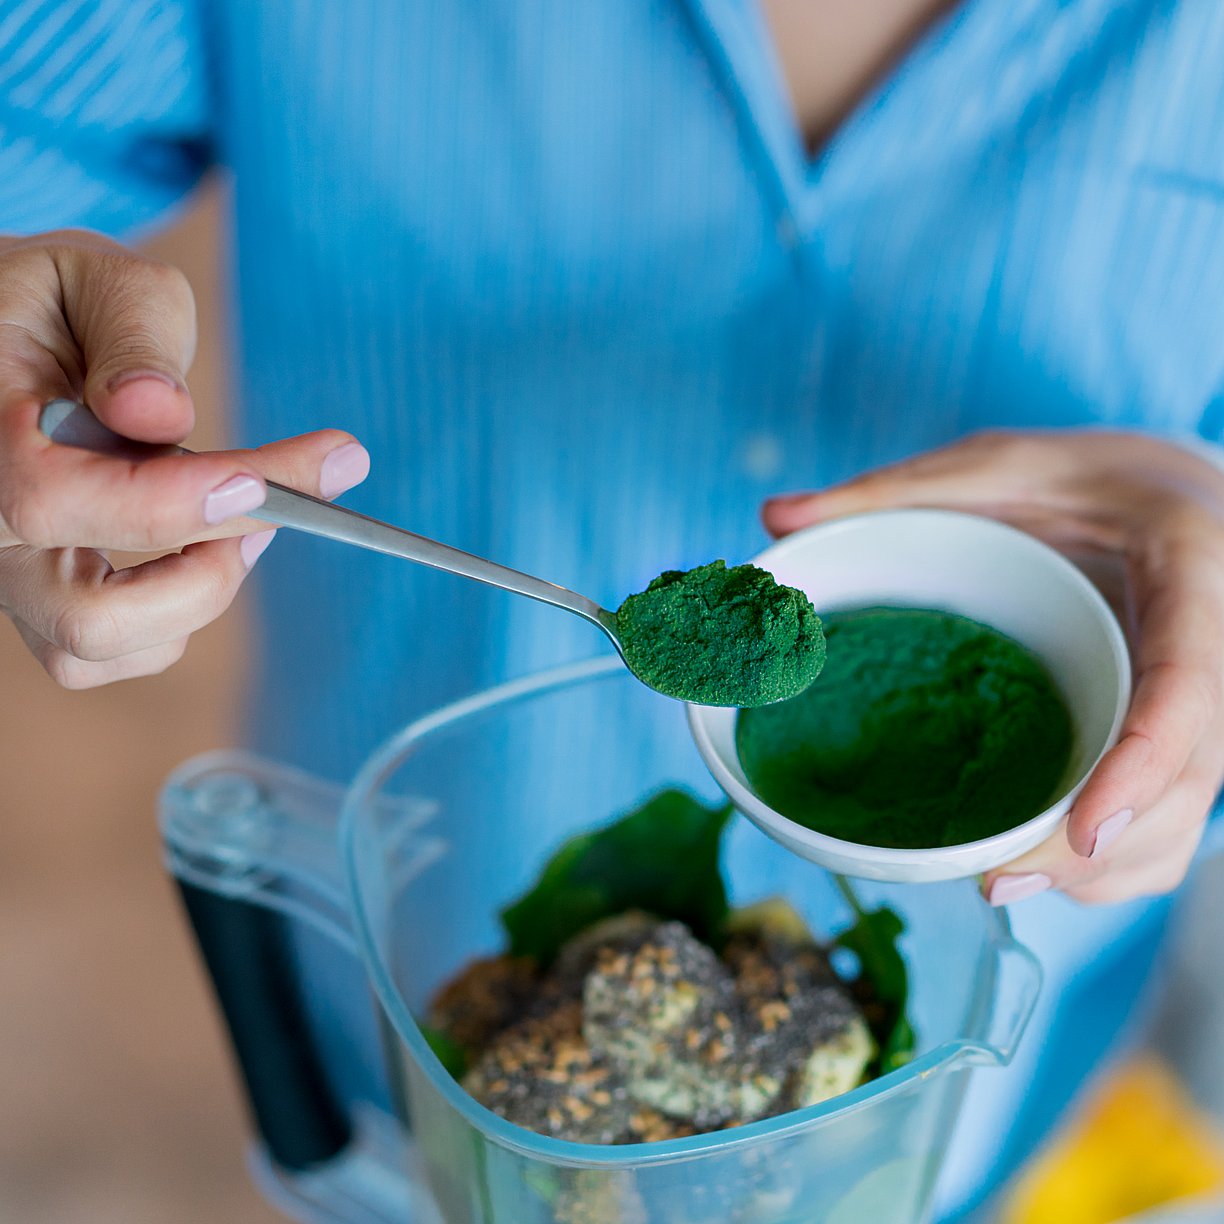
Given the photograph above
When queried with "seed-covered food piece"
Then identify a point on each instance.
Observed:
(622, 932)
(835, 1066)
(486, 997)
(541, 1074)
(641, 1033)
(770, 916)
(665, 1016)
(599, 1196)
(799, 1020)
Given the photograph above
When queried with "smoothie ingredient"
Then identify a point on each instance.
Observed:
(662, 1038)
(722, 636)
(483, 999)
(631, 1028)
(448, 1052)
(662, 857)
(883, 984)
(927, 729)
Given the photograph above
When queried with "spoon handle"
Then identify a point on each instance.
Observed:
(73, 424)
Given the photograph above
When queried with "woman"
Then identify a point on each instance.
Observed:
(592, 283)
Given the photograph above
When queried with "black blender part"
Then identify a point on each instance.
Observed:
(224, 819)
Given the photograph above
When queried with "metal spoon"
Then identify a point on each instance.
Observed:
(73, 424)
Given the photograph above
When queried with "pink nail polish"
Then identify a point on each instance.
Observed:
(130, 376)
(346, 466)
(236, 496)
(1008, 889)
(253, 545)
(1108, 831)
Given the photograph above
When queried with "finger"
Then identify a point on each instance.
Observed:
(55, 309)
(1179, 608)
(1145, 857)
(1153, 865)
(1160, 871)
(75, 601)
(325, 463)
(134, 321)
(72, 673)
(39, 355)
(80, 314)
(999, 472)
(1149, 858)
(54, 496)
(966, 473)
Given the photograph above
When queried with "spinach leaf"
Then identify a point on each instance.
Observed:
(873, 939)
(662, 857)
(449, 1053)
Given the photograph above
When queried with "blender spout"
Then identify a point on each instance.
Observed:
(1017, 982)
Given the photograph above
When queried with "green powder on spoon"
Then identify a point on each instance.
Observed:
(722, 636)
(926, 729)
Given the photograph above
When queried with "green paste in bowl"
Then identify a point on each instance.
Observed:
(924, 729)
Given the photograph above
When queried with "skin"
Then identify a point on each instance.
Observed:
(1158, 510)
(831, 53)
(78, 312)
(1143, 502)
(78, 316)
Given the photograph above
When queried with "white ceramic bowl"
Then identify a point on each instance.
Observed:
(956, 563)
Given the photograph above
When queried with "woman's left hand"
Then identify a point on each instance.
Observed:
(1160, 509)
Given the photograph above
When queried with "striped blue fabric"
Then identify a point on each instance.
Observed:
(571, 275)
(104, 113)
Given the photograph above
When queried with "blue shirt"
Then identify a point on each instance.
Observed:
(570, 274)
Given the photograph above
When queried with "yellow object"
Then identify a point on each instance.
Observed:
(1139, 1144)
(774, 916)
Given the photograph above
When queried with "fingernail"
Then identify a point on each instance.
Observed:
(346, 466)
(1008, 889)
(253, 545)
(787, 501)
(236, 496)
(129, 376)
(1108, 831)
(787, 512)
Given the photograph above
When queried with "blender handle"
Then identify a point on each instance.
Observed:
(245, 950)
(252, 848)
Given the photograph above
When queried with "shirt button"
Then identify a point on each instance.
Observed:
(761, 458)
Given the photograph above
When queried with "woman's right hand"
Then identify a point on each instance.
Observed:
(83, 318)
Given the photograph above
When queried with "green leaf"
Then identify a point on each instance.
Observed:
(449, 1053)
(898, 1046)
(662, 857)
(874, 940)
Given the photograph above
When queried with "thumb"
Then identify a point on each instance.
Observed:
(135, 322)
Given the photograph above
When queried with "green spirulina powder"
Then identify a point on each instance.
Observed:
(722, 636)
(926, 729)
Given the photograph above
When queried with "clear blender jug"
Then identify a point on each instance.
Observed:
(445, 824)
